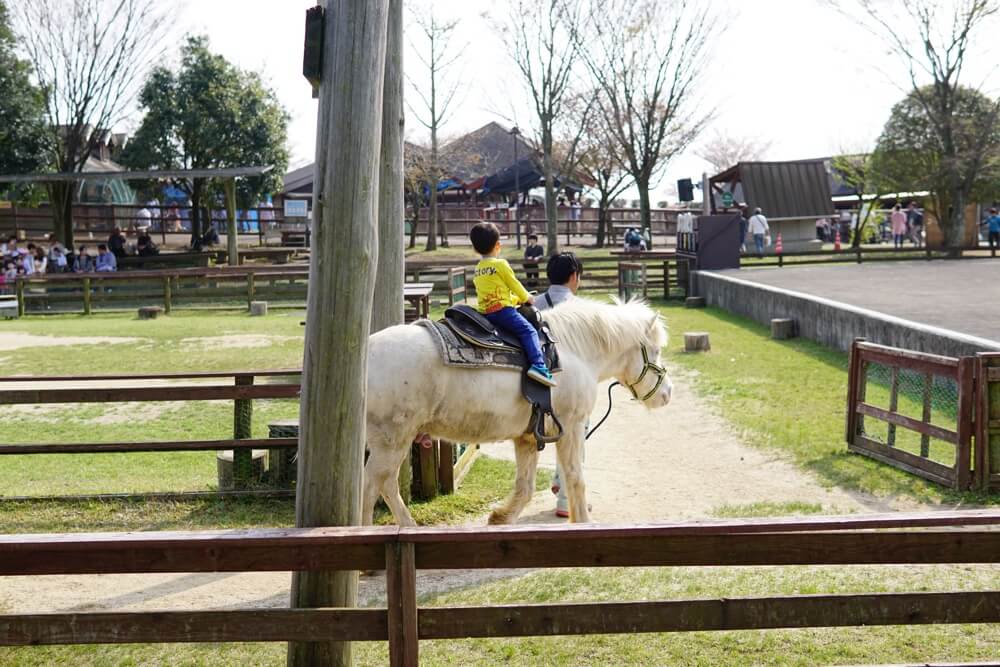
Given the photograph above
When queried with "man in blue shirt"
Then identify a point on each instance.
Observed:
(994, 229)
(563, 271)
(105, 260)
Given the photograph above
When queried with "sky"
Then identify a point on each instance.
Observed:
(795, 73)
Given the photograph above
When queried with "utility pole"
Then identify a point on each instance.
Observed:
(342, 272)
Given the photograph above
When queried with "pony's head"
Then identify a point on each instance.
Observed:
(627, 337)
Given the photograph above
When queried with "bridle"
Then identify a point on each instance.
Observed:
(647, 366)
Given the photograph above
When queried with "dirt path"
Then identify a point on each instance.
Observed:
(676, 463)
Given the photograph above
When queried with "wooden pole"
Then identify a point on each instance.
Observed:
(342, 273)
(242, 429)
(232, 233)
(387, 307)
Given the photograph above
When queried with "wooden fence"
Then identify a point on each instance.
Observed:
(847, 255)
(907, 539)
(641, 278)
(933, 416)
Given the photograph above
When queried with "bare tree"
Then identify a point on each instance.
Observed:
(933, 39)
(600, 160)
(436, 90)
(90, 56)
(646, 56)
(723, 150)
(538, 35)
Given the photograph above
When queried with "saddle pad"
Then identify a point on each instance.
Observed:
(456, 352)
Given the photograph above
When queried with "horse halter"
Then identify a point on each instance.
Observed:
(647, 366)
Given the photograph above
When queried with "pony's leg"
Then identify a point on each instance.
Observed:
(382, 476)
(569, 450)
(526, 454)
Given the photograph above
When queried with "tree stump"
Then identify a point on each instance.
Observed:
(282, 470)
(258, 308)
(783, 328)
(694, 302)
(696, 341)
(226, 469)
(150, 312)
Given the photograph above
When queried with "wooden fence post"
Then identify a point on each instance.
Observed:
(20, 297)
(86, 296)
(401, 602)
(242, 428)
(855, 380)
(446, 466)
(963, 449)
(666, 280)
(987, 455)
(251, 289)
(167, 297)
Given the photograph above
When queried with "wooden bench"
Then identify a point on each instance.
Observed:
(274, 255)
(8, 306)
(168, 260)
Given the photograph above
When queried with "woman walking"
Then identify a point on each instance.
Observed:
(898, 220)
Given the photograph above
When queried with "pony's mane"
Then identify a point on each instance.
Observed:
(586, 326)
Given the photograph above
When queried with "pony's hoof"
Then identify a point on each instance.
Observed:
(498, 518)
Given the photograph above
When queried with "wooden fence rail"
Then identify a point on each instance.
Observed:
(938, 537)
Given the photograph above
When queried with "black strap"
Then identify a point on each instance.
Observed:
(591, 431)
(548, 299)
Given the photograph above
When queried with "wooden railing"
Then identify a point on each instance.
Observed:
(936, 417)
(898, 539)
(847, 255)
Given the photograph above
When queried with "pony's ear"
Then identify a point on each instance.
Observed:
(651, 326)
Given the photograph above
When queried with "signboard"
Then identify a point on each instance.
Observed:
(296, 208)
(727, 199)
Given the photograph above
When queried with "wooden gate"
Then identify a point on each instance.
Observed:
(987, 460)
(913, 411)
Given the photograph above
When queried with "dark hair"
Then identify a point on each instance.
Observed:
(30, 246)
(102, 247)
(532, 236)
(561, 267)
(484, 237)
(82, 249)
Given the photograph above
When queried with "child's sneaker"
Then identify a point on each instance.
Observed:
(541, 375)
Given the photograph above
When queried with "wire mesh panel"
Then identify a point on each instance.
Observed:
(913, 411)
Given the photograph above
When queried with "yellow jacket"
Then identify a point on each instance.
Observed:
(496, 286)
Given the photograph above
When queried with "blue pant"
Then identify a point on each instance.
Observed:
(510, 320)
(758, 241)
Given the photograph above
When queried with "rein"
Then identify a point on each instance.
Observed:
(591, 431)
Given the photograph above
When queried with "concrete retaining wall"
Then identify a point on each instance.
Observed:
(830, 322)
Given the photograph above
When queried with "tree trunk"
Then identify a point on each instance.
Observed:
(342, 276)
(602, 218)
(196, 191)
(645, 217)
(387, 303)
(61, 201)
(232, 233)
(432, 211)
(954, 233)
(551, 213)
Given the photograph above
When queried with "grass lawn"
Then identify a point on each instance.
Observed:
(790, 396)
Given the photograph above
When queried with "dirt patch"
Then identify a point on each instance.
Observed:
(234, 341)
(16, 341)
(680, 462)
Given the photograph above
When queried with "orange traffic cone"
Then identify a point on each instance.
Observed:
(777, 246)
(836, 241)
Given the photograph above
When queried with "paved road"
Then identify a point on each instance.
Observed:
(963, 296)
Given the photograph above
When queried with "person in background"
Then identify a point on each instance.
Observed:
(915, 221)
(27, 259)
(759, 229)
(10, 249)
(744, 225)
(145, 246)
(993, 230)
(116, 243)
(897, 219)
(83, 263)
(40, 260)
(634, 241)
(532, 254)
(575, 212)
(57, 259)
(564, 271)
(106, 260)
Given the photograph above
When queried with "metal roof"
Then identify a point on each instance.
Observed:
(796, 189)
(72, 176)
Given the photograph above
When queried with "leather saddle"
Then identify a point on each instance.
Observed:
(471, 326)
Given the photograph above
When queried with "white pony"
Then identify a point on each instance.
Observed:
(411, 391)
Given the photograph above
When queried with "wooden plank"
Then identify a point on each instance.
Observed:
(904, 460)
(401, 592)
(855, 380)
(894, 405)
(464, 463)
(446, 469)
(966, 403)
(921, 361)
(908, 422)
(428, 471)
(128, 394)
(132, 447)
(805, 611)
(270, 550)
(925, 439)
(155, 496)
(507, 550)
(150, 376)
(239, 625)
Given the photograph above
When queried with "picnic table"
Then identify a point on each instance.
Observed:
(276, 255)
(418, 295)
